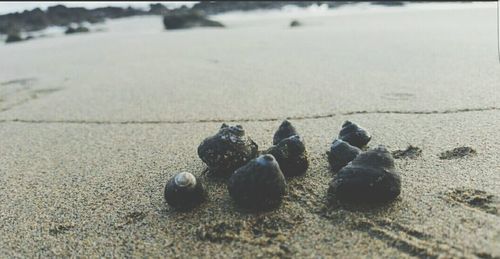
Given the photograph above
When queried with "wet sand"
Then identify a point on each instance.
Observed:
(92, 126)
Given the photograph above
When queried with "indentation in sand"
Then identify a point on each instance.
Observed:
(475, 199)
(410, 152)
(267, 232)
(241, 120)
(407, 239)
(398, 96)
(19, 91)
(20, 81)
(131, 218)
(458, 152)
(60, 229)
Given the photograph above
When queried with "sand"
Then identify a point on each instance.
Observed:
(92, 126)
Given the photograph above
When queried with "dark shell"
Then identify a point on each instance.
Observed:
(227, 150)
(291, 155)
(354, 134)
(285, 130)
(184, 191)
(341, 153)
(370, 177)
(258, 185)
(295, 23)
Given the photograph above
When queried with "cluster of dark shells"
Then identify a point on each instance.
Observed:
(362, 177)
(370, 177)
(258, 182)
(255, 182)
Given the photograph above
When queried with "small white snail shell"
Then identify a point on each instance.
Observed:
(185, 179)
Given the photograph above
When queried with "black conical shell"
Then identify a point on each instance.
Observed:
(285, 130)
(341, 153)
(354, 134)
(258, 185)
(227, 150)
(370, 177)
(184, 197)
(291, 155)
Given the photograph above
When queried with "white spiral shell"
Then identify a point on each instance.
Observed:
(185, 179)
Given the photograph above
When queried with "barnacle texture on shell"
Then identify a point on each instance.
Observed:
(341, 153)
(285, 130)
(291, 155)
(227, 150)
(184, 191)
(258, 185)
(354, 134)
(370, 177)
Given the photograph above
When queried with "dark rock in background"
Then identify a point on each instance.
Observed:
(79, 29)
(189, 19)
(60, 15)
(295, 23)
(158, 9)
(13, 38)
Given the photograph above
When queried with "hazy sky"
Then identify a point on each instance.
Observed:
(8, 7)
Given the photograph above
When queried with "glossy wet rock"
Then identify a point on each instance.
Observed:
(285, 130)
(341, 153)
(370, 177)
(291, 155)
(354, 134)
(184, 191)
(258, 185)
(227, 150)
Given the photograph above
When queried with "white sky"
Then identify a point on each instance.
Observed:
(9, 7)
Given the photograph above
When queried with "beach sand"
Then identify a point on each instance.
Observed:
(92, 126)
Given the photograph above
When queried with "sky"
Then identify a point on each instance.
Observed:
(9, 7)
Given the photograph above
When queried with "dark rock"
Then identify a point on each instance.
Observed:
(291, 155)
(116, 12)
(184, 191)
(60, 15)
(158, 9)
(354, 134)
(258, 185)
(185, 20)
(285, 130)
(295, 23)
(13, 38)
(370, 177)
(227, 150)
(341, 153)
(25, 21)
(79, 29)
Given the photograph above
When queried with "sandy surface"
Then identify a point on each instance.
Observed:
(92, 126)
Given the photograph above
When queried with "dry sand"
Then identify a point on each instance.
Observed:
(92, 126)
